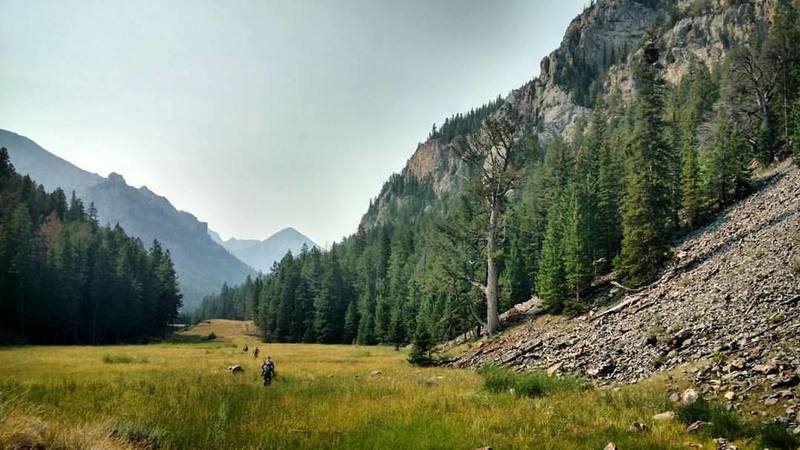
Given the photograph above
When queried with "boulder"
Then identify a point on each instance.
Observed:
(723, 444)
(788, 379)
(667, 415)
(639, 427)
(766, 369)
(604, 368)
(696, 426)
(611, 446)
(375, 373)
(676, 341)
(689, 396)
(552, 370)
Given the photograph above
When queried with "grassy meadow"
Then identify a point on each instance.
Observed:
(179, 395)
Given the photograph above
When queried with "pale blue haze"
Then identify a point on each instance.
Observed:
(259, 115)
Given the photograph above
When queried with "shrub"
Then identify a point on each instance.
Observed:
(721, 421)
(211, 336)
(775, 436)
(123, 359)
(421, 347)
(527, 384)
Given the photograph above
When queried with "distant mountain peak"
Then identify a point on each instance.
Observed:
(116, 178)
(288, 231)
(261, 255)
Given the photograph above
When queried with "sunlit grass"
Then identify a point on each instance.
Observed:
(323, 397)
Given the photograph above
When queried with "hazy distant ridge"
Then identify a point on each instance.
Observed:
(261, 255)
(202, 264)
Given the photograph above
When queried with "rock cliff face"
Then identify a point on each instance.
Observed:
(594, 41)
(595, 55)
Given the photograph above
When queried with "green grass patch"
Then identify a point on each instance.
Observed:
(124, 359)
(721, 422)
(526, 384)
(325, 397)
(728, 424)
(775, 436)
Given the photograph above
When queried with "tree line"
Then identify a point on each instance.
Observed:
(546, 219)
(64, 279)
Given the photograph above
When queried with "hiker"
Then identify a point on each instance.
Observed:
(268, 370)
(255, 353)
(244, 349)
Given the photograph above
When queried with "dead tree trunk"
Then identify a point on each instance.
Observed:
(492, 314)
(497, 154)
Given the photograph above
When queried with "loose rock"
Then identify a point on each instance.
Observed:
(689, 396)
(667, 415)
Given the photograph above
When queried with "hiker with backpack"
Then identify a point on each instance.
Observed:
(268, 371)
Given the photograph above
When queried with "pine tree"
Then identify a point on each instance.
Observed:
(551, 278)
(726, 171)
(350, 323)
(796, 132)
(577, 260)
(700, 97)
(691, 205)
(421, 346)
(610, 190)
(328, 324)
(396, 335)
(516, 277)
(781, 50)
(647, 212)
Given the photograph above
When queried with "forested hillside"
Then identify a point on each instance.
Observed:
(65, 279)
(203, 265)
(647, 121)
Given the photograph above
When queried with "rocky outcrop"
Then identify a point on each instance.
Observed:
(732, 292)
(594, 41)
(596, 55)
(436, 161)
(548, 103)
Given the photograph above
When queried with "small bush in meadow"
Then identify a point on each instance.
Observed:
(138, 435)
(721, 421)
(527, 384)
(123, 359)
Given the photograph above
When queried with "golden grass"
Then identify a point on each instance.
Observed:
(180, 396)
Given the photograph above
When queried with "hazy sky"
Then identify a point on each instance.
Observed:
(258, 115)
